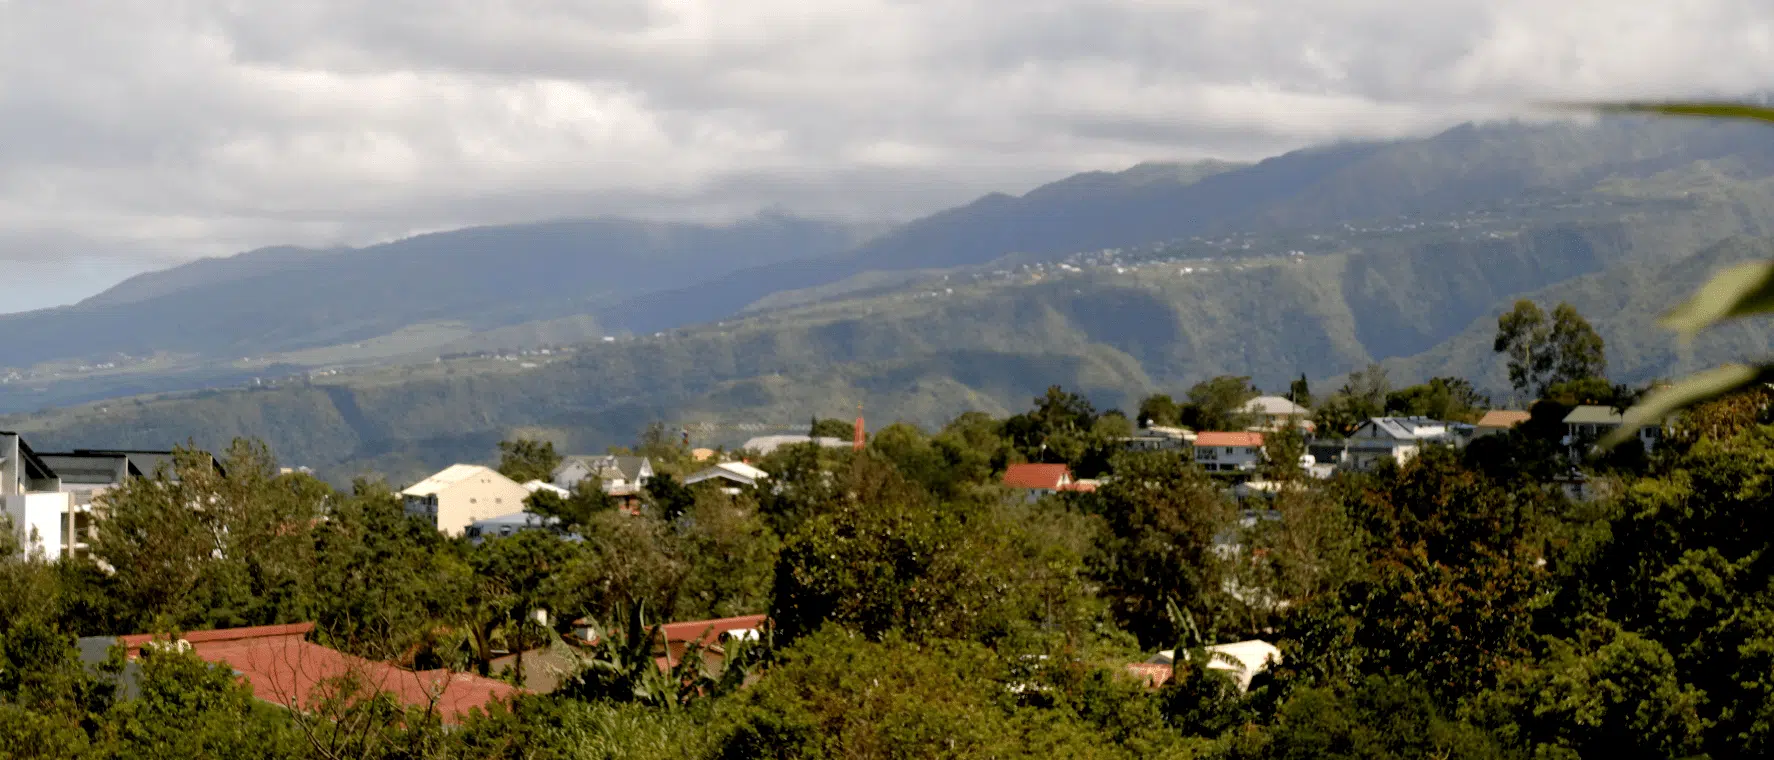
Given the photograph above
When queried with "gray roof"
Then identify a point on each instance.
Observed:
(95, 650)
(91, 469)
(1410, 428)
(150, 461)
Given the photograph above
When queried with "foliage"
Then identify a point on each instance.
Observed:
(526, 460)
(1442, 398)
(1162, 517)
(586, 499)
(831, 428)
(1213, 404)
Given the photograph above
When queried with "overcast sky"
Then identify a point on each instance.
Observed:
(136, 134)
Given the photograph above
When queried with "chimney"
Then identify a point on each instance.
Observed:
(857, 445)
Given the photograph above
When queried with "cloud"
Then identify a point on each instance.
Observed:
(210, 126)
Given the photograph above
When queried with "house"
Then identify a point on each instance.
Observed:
(1586, 424)
(1242, 660)
(765, 445)
(282, 667)
(1499, 421)
(1237, 454)
(611, 470)
(1394, 438)
(41, 514)
(737, 475)
(1274, 413)
(1038, 480)
(50, 495)
(461, 494)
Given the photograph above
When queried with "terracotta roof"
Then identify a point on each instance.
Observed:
(284, 668)
(1048, 476)
(1229, 439)
(1502, 418)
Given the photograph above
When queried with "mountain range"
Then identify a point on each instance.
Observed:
(1118, 284)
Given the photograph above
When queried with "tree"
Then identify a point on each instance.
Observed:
(1159, 409)
(526, 460)
(1442, 398)
(1214, 404)
(1162, 516)
(670, 498)
(1544, 352)
(1057, 428)
(1300, 392)
(1362, 396)
(514, 579)
(831, 428)
(575, 510)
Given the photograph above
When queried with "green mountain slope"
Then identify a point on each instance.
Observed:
(1623, 303)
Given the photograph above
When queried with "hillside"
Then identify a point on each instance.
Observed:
(281, 299)
(1159, 319)
(1622, 303)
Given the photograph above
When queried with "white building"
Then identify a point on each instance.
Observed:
(35, 506)
(1251, 657)
(1234, 453)
(765, 445)
(462, 494)
(506, 525)
(736, 475)
(1587, 424)
(537, 485)
(1394, 438)
(613, 472)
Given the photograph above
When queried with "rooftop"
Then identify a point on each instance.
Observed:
(1502, 418)
(283, 668)
(450, 476)
(1278, 406)
(1047, 476)
(1246, 439)
(1590, 414)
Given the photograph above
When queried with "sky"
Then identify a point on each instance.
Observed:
(135, 135)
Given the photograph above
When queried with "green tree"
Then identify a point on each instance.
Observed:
(1214, 404)
(669, 497)
(1160, 409)
(832, 428)
(1162, 516)
(526, 460)
(1442, 398)
(1300, 392)
(1544, 352)
(575, 510)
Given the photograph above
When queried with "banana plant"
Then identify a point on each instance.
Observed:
(1741, 291)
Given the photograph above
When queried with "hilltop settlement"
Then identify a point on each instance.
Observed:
(1376, 572)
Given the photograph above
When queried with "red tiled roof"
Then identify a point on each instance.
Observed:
(284, 668)
(1502, 418)
(1229, 439)
(709, 631)
(1048, 476)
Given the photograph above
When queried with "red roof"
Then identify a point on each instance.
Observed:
(284, 668)
(1048, 476)
(1229, 439)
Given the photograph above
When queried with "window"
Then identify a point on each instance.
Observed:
(1230, 451)
(471, 500)
(500, 500)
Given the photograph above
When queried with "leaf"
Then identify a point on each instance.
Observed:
(1740, 291)
(1661, 403)
(1718, 110)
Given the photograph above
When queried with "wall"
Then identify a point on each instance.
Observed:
(477, 498)
(41, 513)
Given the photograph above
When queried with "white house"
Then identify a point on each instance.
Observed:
(613, 472)
(736, 475)
(35, 505)
(537, 485)
(1586, 424)
(1395, 438)
(1273, 413)
(463, 493)
(1234, 453)
(1159, 438)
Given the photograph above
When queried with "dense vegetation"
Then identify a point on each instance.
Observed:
(1458, 606)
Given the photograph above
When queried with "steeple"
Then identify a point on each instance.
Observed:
(857, 445)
